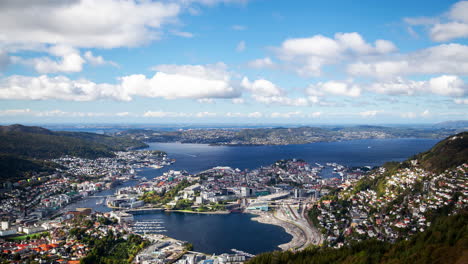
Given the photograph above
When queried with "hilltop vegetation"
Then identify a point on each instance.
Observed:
(409, 212)
(446, 154)
(37, 142)
(445, 242)
(23, 149)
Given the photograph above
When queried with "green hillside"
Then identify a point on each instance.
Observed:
(448, 153)
(445, 242)
(40, 143)
(23, 149)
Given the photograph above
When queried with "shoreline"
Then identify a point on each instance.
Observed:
(298, 237)
(195, 212)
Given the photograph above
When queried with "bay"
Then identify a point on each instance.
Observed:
(220, 233)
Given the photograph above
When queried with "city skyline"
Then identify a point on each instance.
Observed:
(233, 61)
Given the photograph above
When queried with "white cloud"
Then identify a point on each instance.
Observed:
(315, 114)
(238, 100)
(282, 100)
(261, 87)
(241, 46)
(183, 81)
(162, 114)
(206, 101)
(266, 92)
(15, 112)
(371, 113)
(426, 113)
(307, 56)
(255, 115)
(261, 63)
(60, 87)
(334, 88)
(205, 114)
(97, 60)
(71, 60)
(235, 114)
(58, 113)
(112, 23)
(448, 31)
(177, 81)
(442, 59)
(445, 85)
(286, 115)
(455, 24)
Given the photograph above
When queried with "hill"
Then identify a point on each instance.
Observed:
(283, 136)
(459, 124)
(409, 212)
(23, 149)
(445, 242)
(449, 153)
(37, 142)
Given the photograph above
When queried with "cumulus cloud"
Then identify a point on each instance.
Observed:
(112, 23)
(315, 114)
(442, 59)
(177, 81)
(455, 24)
(58, 113)
(163, 114)
(261, 63)
(334, 88)
(266, 92)
(261, 87)
(286, 115)
(307, 56)
(238, 100)
(445, 85)
(255, 115)
(97, 60)
(71, 60)
(59, 87)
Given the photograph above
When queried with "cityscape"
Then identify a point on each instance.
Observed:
(233, 132)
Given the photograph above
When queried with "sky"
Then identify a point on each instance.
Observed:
(233, 61)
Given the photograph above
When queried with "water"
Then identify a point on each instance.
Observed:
(368, 152)
(219, 233)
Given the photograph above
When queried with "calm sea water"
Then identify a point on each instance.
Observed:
(369, 152)
(220, 233)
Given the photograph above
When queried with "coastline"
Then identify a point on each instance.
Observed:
(195, 212)
(298, 237)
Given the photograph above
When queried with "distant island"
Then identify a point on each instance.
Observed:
(287, 136)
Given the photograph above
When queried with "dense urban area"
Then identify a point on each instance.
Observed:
(322, 206)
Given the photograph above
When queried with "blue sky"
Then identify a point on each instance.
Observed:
(233, 61)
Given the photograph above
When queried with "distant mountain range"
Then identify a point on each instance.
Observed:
(459, 124)
(24, 149)
(284, 136)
